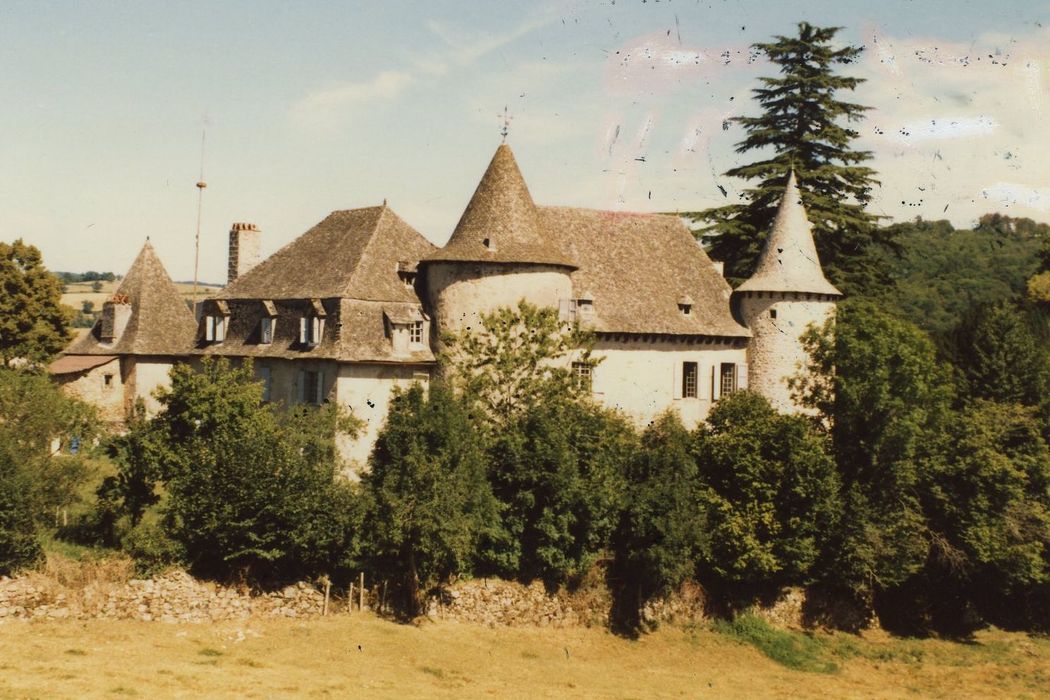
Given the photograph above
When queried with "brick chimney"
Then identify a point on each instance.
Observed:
(245, 249)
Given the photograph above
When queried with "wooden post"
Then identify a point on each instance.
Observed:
(327, 591)
(361, 593)
(350, 600)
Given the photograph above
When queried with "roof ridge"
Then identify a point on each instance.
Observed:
(352, 277)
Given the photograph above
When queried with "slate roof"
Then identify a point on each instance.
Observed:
(350, 254)
(789, 262)
(346, 269)
(637, 267)
(502, 212)
(161, 322)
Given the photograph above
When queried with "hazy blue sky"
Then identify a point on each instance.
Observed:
(318, 106)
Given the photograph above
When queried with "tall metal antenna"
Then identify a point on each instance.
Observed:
(201, 185)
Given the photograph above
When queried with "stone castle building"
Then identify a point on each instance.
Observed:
(353, 307)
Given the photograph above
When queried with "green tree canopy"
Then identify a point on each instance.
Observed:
(252, 491)
(876, 380)
(519, 357)
(805, 127)
(429, 507)
(33, 321)
(770, 490)
(662, 533)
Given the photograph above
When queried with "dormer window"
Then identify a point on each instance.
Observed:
(406, 327)
(415, 333)
(311, 325)
(267, 323)
(216, 322)
(406, 272)
(567, 310)
(685, 305)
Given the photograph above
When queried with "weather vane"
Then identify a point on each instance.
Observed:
(505, 128)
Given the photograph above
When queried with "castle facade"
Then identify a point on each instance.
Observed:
(355, 306)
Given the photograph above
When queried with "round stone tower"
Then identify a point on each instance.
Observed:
(497, 255)
(786, 294)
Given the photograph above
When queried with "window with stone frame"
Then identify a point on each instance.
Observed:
(690, 380)
(266, 330)
(415, 333)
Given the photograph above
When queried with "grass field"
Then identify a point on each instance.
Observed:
(362, 656)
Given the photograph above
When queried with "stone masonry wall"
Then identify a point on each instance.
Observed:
(172, 597)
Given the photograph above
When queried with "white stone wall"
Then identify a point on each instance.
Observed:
(366, 390)
(775, 353)
(643, 378)
(145, 377)
(460, 292)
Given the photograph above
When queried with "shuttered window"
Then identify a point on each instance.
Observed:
(690, 380)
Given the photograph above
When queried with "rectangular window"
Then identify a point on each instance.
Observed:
(584, 374)
(266, 330)
(214, 329)
(416, 333)
(107, 380)
(310, 330)
(690, 374)
(728, 379)
(311, 387)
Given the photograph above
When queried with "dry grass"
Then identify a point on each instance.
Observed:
(361, 656)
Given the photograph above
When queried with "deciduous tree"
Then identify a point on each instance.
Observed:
(33, 321)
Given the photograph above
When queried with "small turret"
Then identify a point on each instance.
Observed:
(786, 294)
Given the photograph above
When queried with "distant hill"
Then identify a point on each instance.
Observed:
(941, 271)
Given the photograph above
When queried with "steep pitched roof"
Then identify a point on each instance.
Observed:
(350, 254)
(789, 262)
(637, 267)
(160, 323)
(502, 212)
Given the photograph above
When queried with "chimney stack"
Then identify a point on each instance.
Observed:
(245, 249)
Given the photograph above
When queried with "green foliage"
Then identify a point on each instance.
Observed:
(518, 358)
(557, 468)
(939, 272)
(770, 490)
(251, 492)
(18, 541)
(999, 355)
(990, 499)
(803, 126)
(152, 549)
(32, 318)
(428, 504)
(791, 649)
(662, 533)
(877, 381)
(34, 413)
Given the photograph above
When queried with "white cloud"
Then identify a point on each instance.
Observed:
(325, 106)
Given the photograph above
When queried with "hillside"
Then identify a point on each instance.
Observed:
(77, 293)
(940, 272)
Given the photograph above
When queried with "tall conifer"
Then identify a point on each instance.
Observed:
(802, 127)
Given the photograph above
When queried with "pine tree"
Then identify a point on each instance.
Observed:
(800, 129)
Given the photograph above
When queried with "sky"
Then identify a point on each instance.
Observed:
(312, 107)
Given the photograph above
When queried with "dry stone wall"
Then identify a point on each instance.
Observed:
(172, 597)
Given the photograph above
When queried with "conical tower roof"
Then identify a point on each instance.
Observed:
(789, 261)
(501, 224)
(160, 323)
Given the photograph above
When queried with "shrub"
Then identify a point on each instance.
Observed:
(152, 549)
